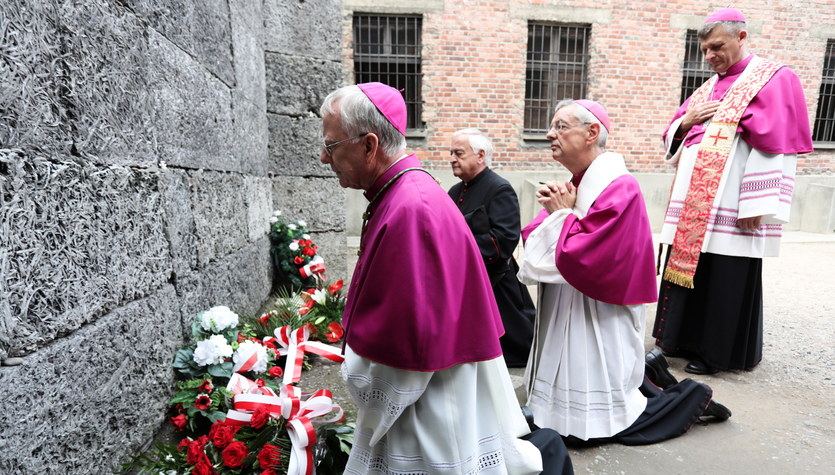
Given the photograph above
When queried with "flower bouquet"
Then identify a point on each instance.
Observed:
(294, 254)
(239, 409)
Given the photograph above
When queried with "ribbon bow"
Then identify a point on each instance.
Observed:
(294, 344)
(315, 266)
(299, 410)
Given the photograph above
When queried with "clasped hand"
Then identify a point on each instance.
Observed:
(553, 196)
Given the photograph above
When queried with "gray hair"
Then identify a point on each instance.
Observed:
(584, 115)
(358, 115)
(478, 142)
(731, 28)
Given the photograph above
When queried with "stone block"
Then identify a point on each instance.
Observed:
(241, 280)
(79, 241)
(218, 203)
(248, 45)
(33, 115)
(179, 220)
(259, 205)
(104, 82)
(297, 85)
(818, 214)
(318, 201)
(192, 110)
(82, 405)
(304, 27)
(202, 29)
(295, 145)
(251, 135)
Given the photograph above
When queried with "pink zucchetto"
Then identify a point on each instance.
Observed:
(597, 110)
(725, 14)
(388, 101)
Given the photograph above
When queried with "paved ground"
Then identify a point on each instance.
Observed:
(783, 411)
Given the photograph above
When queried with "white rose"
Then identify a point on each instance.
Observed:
(217, 319)
(277, 212)
(273, 219)
(212, 351)
(294, 246)
(245, 351)
(291, 227)
(301, 222)
(306, 236)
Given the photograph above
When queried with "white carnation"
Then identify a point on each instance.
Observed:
(245, 350)
(212, 351)
(217, 319)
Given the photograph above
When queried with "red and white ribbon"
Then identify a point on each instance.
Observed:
(298, 409)
(315, 266)
(294, 345)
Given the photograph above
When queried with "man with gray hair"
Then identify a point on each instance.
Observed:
(734, 143)
(491, 208)
(423, 362)
(590, 252)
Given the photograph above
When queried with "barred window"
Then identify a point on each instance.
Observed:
(387, 49)
(825, 115)
(557, 64)
(695, 70)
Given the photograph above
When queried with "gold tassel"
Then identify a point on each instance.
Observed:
(678, 278)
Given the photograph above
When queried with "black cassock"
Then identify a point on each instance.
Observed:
(491, 209)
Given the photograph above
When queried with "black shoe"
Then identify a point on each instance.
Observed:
(656, 369)
(698, 366)
(717, 411)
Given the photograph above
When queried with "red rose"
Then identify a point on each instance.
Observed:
(179, 407)
(241, 338)
(276, 372)
(179, 422)
(195, 450)
(259, 418)
(335, 287)
(203, 467)
(311, 328)
(202, 402)
(269, 457)
(309, 251)
(260, 382)
(298, 260)
(270, 343)
(221, 434)
(334, 332)
(205, 387)
(266, 318)
(183, 444)
(234, 454)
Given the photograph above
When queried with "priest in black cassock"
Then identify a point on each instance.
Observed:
(491, 208)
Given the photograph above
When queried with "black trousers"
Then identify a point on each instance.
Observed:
(720, 320)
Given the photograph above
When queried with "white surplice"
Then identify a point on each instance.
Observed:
(461, 420)
(587, 360)
(754, 183)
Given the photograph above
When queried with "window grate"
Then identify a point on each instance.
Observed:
(695, 70)
(387, 49)
(557, 68)
(825, 115)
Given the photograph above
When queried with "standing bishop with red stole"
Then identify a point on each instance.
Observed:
(734, 143)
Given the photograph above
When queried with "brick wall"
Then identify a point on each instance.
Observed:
(474, 67)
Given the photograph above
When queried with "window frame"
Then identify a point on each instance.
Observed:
(392, 55)
(826, 100)
(559, 60)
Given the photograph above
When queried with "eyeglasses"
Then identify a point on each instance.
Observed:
(562, 127)
(328, 147)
